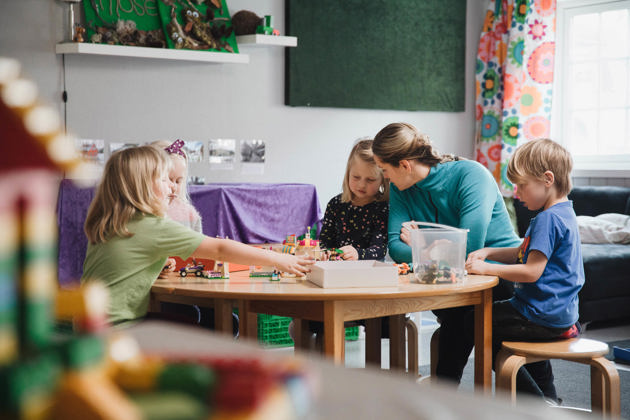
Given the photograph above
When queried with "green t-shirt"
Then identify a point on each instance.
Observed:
(129, 266)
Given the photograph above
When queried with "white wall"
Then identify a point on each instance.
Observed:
(29, 30)
(141, 100)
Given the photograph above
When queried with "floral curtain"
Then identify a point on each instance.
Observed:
(514, 77)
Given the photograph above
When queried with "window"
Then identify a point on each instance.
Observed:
(591, 114)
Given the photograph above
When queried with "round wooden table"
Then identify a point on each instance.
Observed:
(304, 300)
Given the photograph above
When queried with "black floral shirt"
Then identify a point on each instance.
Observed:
(363, 227)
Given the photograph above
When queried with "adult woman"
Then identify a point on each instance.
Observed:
(442, 189)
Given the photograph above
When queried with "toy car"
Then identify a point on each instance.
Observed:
(194, 268)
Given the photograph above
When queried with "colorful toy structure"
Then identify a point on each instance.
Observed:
(334, 254)
(303, 244)
(46, 375)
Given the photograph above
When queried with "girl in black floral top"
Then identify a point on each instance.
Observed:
(356, 220)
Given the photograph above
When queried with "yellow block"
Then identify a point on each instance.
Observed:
(85, 302)
(8, 346)
(138, 374)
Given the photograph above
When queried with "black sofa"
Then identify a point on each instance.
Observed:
(606, 292)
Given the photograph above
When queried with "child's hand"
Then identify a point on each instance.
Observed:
(293, 264)
(480, 254)
(476, 266)
(169, 267)
(349, 253)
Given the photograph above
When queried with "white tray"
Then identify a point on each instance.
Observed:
(365, 273)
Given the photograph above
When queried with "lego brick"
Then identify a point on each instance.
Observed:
(91, 396)
(80, 352)
(27, 386)
(190, 378)
(138, 375)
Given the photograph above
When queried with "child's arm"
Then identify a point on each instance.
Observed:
(502, 255)
(529, 272)
(228, 250)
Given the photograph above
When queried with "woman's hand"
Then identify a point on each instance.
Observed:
(169, 267)
(350, 253)
(298, 265)
(405, 234)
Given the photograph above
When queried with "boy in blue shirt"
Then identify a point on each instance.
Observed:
(546, 269)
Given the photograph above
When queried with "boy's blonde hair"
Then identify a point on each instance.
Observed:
(163, 144)
(363, 150)
(403, 141)
(126, 189)
(534, 158)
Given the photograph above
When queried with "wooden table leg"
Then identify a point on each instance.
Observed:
(248, 321)
(483, 343)
(334, 331)
(373, 341)
(397, 359)
(154, 304)
(223, 316)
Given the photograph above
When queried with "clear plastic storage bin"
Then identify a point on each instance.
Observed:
(438, 252)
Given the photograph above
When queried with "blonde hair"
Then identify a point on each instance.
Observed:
(403, 141)
(126, 189)
(363, 150)
(163, 144)
(534, 158)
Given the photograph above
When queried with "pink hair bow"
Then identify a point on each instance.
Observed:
(176, 148)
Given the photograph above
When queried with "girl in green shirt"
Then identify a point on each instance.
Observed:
(129, 240)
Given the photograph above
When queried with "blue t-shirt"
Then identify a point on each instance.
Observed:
(552, 300)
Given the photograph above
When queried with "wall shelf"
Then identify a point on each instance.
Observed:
(145, 52)
(269, 40)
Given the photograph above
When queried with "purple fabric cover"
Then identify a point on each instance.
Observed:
(249, 213)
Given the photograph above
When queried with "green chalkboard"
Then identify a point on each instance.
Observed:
(377, 54)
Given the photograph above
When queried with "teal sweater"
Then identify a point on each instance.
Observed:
(461, 194)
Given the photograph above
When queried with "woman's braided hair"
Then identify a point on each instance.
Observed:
(403, 141)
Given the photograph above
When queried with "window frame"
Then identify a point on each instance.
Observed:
(613, 165)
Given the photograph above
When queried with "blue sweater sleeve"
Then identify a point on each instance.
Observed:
(477, 195)
(398, 214)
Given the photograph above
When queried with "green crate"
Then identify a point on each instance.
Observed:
(352, 333)
(273, 331)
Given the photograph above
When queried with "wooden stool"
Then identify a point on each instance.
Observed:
(435, 345)
(396, 361)
(605, 392)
